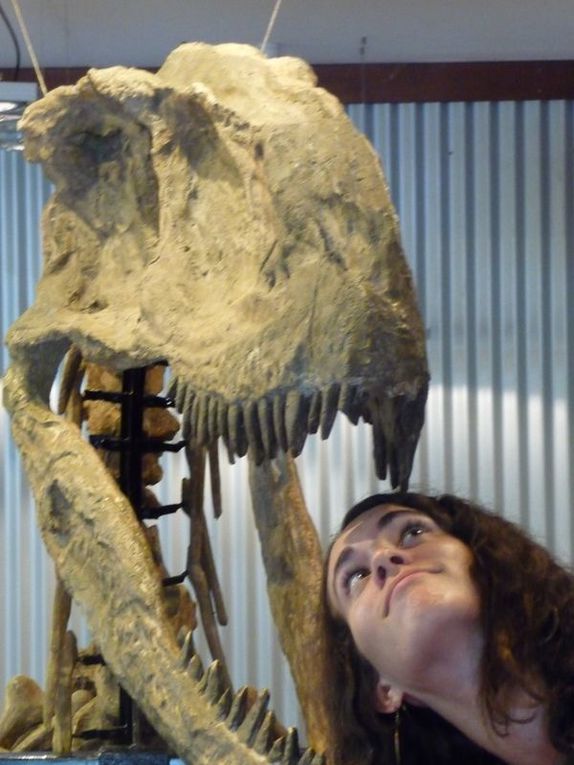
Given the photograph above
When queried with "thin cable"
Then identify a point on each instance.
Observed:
(270, 25)
(12, 34)
(31, 53)
(363, 56)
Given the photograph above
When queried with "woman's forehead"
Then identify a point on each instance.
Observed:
(368, 523)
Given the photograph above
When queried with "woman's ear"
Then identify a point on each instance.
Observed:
(387, 698)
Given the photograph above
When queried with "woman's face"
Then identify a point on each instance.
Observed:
(403, 587)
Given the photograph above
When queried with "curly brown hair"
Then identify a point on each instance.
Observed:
(527, 614)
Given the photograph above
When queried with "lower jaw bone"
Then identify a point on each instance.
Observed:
(103, 558)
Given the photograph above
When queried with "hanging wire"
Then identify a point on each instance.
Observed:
(29, 46)
(363, 58)
(270, 26)
(12, 34)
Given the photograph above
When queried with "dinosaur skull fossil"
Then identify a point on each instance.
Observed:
(223, 215)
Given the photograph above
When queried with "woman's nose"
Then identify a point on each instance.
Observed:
(384, 563)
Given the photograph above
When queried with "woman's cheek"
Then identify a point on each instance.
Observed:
(366, 627)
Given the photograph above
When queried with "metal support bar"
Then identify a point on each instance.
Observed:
(132, 445)
(178, 579)
(118, 397)
(153, 513)
(143, 445)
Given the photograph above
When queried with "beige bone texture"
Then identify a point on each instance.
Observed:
(22, 709)
(225, 216)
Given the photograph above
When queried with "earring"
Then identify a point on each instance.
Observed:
(397, 737)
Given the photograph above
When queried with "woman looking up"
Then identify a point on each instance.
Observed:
(453, 635)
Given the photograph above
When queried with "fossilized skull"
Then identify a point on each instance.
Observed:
(223, 215)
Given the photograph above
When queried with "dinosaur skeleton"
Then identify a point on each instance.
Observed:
(222, 215)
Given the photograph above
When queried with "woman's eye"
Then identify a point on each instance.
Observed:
(411, 531)
(354, 579)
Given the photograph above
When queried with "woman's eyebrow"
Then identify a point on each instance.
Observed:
(389, 517)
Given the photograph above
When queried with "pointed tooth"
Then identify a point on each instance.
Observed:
(279, 421)
(277, 750)
(249, 728)
(213, 419)
(265, 412)
(242, 443)
(172, 388)
(232, 425)
(201, 433)
(224, 704)
(237, 437)
(345, 395)
(388, 419)
(359, 405)
(194, 418)
(223, 415)
(296, 413)
(366, 410)
(349, 402)
(195, 668)
(253, 432)
(176, 390)
(379, 441)
(314, 417)
(408, 419)
(187, 650)
(215, 685)
(311, 757)
(230, 455)
(202, 684)
(307, 757)
(238, 709)
(215, 479)
(329, 403)
(263, 737)
(186, 417)
(222, 424)
(71, 374)
(394, 470)
(291, 753)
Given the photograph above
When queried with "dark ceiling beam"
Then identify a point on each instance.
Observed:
(468, 81)
(403, 83)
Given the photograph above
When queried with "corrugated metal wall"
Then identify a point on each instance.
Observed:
(485, 196)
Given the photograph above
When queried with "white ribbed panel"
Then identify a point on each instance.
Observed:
(485, 194)
(485, 197)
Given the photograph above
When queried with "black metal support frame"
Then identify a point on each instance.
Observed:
(132, 445)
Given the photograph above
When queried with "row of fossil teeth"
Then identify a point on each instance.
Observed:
(279, 421)
(253, 726)
(282, 421)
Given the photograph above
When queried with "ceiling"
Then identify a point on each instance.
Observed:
(70, 33)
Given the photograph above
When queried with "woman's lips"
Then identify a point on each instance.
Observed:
(398, 582)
